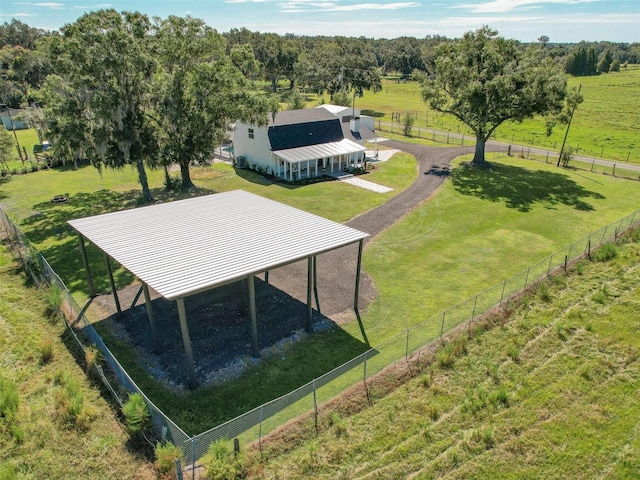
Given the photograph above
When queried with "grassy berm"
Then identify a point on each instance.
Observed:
(54, 421)
(547, 388)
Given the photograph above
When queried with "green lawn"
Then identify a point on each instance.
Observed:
(605, 124)
(27, 199)
(548, 392)
(481, 228)
(26, 139)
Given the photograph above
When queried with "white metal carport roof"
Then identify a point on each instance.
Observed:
(189, 246)
(313, 152)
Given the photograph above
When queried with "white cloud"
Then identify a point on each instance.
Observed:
(55, 5)
(311, 6)
(92, 7)
(505, 6)
(526, 28)
(17, 15)
(247, 1)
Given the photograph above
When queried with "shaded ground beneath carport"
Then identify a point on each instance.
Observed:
(218, 320)
(219, 329)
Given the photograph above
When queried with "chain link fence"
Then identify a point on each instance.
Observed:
(116, 380)
(253, 425)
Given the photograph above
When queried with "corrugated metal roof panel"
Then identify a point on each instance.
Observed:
(188, 246)
(313, 152)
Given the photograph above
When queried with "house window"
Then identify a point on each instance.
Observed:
(251, 133)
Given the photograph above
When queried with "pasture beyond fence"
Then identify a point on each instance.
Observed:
(522, 149)
(437, 130)
(253, 425)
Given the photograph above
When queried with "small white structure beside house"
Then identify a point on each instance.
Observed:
(303, 143)
(346, 114)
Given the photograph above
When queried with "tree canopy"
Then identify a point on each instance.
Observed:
(582, 61)
(485, 80)
(6, 143)
(101, 96)
(120, 89)
(200, 92)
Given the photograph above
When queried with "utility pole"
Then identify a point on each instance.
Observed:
(573, 109)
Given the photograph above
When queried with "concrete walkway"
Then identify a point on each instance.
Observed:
(383, 156)
(358, 182)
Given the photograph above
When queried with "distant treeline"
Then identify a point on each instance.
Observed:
(317, 63)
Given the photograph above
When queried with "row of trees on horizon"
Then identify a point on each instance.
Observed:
(316, 63)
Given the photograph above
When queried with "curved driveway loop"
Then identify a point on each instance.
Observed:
(336, 269)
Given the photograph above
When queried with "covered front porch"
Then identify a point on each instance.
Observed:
(316, 160)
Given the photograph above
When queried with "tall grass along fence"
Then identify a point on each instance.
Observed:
(117, 380)
(253, 425)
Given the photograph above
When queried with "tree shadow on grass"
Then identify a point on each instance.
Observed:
(50, 219)
(439, 171)
(521, 188)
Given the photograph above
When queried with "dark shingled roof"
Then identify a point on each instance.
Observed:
(301, 128)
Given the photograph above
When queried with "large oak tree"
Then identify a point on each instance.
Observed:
(100, 99)
(200, 93)
(485, 80)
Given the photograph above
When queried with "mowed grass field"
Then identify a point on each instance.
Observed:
(27, 199)
(547, 389)
(605, 124)
(479, 229)
(26, 139)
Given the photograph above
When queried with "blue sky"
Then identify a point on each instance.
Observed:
(525, 20)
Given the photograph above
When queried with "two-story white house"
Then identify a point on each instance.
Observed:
(302, 143)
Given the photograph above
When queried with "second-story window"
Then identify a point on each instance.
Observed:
(251, 133)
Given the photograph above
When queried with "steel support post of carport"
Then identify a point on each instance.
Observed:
(114, 291)
(358, 269)
(315, 282)
(152, 323)
(309, 326)
(85, 261)
(252, 315)
(184, 328)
